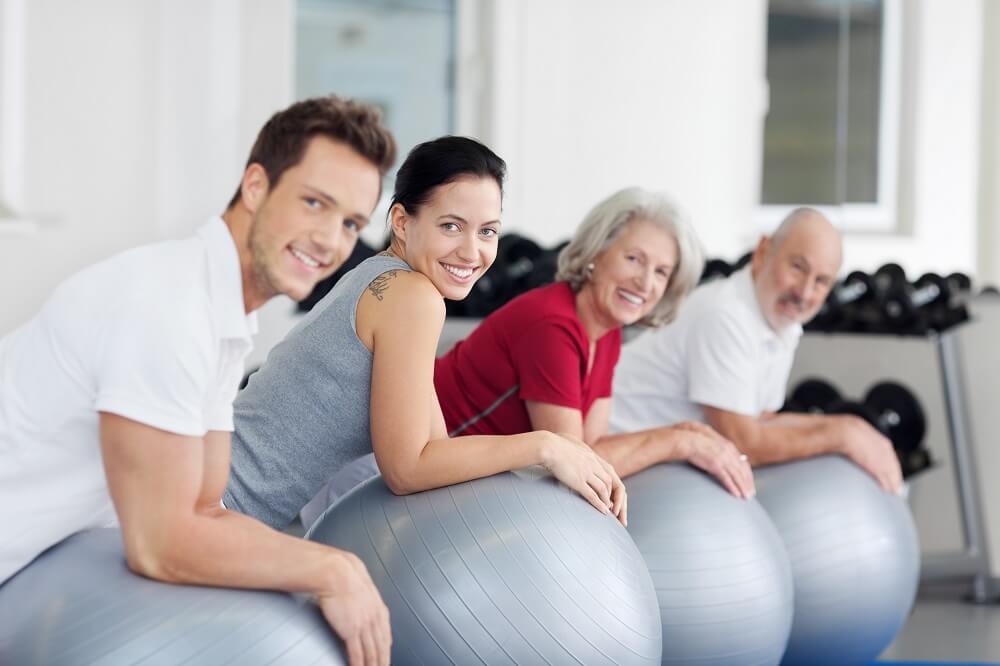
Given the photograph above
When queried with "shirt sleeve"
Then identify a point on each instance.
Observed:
(722, 364)
(219, 402)
(157, 368)
(548, 359)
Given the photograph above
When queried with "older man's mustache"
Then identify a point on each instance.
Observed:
(794, 301)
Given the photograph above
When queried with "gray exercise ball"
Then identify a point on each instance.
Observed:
(78, 603)
(508, 569)
(855, 558)
(720, 570)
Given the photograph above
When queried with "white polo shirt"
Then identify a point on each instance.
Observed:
(157, 334)
(720, 352)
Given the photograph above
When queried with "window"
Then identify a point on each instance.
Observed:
(397, 54)
(831, 133)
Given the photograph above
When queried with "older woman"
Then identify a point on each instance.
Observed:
(545, 361)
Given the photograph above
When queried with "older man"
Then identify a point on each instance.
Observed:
(725, 360)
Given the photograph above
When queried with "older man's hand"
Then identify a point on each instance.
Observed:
(871, 450)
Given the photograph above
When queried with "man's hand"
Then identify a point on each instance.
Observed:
(166, 489)
(708, 450)
(870, 450)
(354, 608)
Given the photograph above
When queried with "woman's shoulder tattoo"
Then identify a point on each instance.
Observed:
(381, 283)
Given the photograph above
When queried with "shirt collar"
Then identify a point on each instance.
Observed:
(226, 281)
(742, 281)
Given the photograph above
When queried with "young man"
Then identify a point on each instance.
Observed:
(117, 397)
(726, 359)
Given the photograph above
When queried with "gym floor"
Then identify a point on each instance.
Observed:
(944, 629)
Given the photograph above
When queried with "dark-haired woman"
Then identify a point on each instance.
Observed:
(357, 374)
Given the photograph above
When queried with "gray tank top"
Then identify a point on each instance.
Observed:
(306, 412)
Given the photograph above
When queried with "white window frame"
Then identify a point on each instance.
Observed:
(881, 216)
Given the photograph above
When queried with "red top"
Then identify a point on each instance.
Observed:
(533, 348)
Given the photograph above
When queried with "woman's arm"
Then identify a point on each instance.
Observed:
(633, 452)
(411, 446)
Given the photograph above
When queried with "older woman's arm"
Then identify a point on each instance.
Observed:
(633, 452)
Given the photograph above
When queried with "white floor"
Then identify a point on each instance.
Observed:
(945, 628)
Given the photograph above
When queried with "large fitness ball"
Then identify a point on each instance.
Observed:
(855, 558)
(78, 603)
(509, 569)
(719, 567)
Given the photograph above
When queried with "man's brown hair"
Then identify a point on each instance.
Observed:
(282, 141)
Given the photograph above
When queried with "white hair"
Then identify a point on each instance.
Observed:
(605, 222)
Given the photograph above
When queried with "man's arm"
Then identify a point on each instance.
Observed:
(781, 437)
(167, 490)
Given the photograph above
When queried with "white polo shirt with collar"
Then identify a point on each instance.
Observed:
(157, 334)
(720, 352)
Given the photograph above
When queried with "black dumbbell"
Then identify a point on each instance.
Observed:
(840, 310)
(715, 269)
(959, 283)
(888, 423)
(507, 278)
(931, 303)
(888, 276)
(861, 310)
(902, 417)
(955, 310)
(905, 307)
(889, 407)
(742, 261)
(901, 412)
(812, 396)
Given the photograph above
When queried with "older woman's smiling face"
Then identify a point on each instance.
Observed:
(631, 274)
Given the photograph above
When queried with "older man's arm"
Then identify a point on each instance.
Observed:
(778, 438)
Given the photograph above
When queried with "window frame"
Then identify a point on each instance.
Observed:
(881, 216)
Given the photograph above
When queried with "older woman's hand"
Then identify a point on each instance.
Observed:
(706, 449)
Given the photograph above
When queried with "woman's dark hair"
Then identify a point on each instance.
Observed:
(443, 161)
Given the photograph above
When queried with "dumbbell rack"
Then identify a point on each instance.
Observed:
(934, 367)
(973, 560)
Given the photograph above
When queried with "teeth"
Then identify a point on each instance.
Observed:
(458, 272)
(631, 298)
(305, 258)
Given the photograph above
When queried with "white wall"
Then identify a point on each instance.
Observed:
(138, 116)
(591, 96)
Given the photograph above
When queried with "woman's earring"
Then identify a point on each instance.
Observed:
(590, 270)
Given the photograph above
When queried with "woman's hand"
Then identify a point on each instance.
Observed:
(706, 449)
(578, 466)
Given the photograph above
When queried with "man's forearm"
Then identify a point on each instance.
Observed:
(227, 549)
(784, 437)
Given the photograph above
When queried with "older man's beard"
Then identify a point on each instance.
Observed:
(793, 300)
